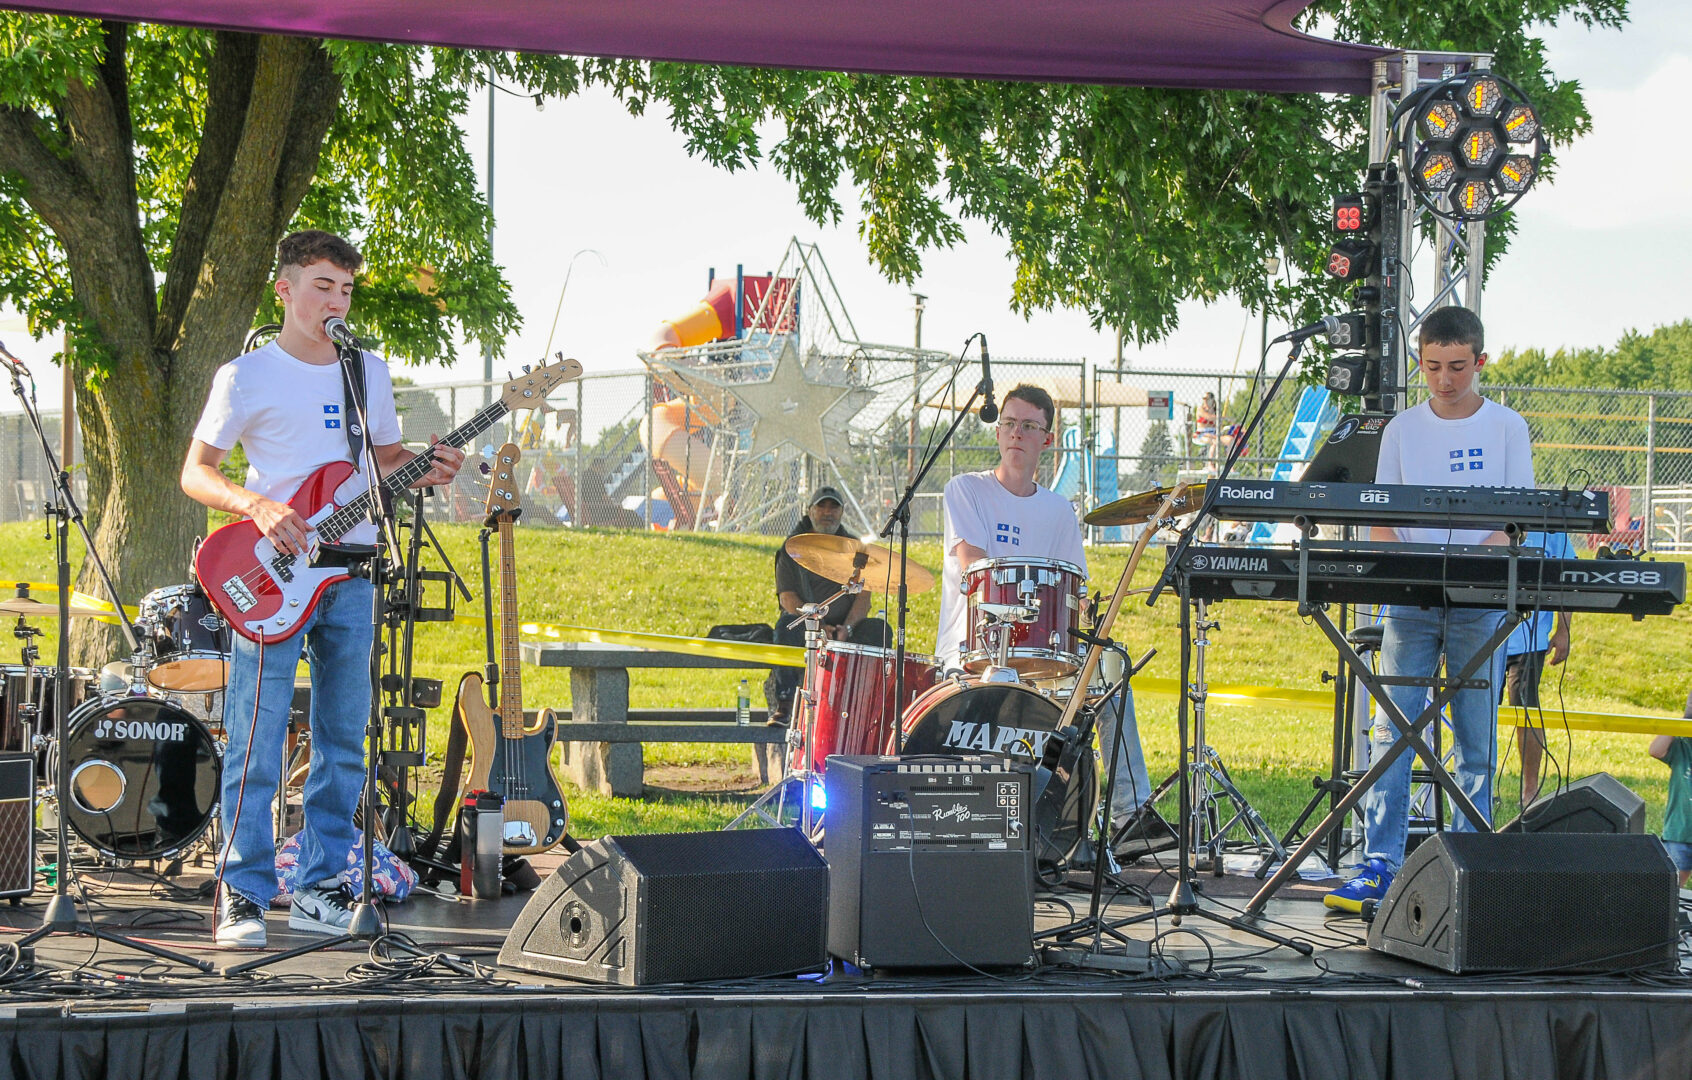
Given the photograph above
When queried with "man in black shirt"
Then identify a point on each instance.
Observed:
(846, 619)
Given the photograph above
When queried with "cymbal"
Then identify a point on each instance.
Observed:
(29, 608)
(832, 557)
(1135, 509)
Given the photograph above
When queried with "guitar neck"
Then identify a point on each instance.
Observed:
(346, 518)
(510, 657)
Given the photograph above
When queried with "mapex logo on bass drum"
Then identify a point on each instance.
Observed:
(141, 729)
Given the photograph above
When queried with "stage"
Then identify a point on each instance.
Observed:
(1228, 1006)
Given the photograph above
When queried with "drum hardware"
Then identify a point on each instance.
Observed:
(61, 915)
(1040, 603)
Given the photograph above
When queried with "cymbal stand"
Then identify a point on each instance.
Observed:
(61, 917)
(1212, 785)
(1183, 898)
(800, 734)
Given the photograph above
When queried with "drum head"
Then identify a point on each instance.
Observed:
(144, 777)
(967, 717)
(190, 673)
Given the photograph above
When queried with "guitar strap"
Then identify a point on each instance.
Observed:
(446, 802)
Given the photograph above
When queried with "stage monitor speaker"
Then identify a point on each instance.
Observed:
(1540, 902)
(677, 907)
(1593, 804)
(17, 824)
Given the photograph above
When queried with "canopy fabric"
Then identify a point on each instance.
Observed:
(1225, 44)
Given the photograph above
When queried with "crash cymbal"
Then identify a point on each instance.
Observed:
(1135, 509)
(34, 609)
(833, 557)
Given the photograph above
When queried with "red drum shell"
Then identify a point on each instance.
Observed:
(1045, 648)
(855, 710)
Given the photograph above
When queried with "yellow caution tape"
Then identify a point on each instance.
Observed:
(751, 652)
(78, 599)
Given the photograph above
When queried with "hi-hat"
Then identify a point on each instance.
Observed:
(28, 608)
(834, 558)
(1135, 509)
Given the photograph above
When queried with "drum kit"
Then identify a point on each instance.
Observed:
(143, 738)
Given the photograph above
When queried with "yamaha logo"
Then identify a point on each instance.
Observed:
(1197, 562)
(1230, 491)
(140, 729)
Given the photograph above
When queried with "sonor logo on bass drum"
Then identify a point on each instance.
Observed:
(141, 729)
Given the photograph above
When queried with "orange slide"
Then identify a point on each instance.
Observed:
(678, 425)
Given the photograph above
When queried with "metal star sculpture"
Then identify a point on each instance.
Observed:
(792, 409)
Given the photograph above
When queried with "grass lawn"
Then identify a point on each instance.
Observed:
(684, 584)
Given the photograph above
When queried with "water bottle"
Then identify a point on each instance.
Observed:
(743, 705)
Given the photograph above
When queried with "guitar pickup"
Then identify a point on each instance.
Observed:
(239, 595)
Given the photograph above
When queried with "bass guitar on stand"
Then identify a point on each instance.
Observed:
(266, 595)
(506, 756)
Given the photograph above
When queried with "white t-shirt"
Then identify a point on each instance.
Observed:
(981, 512)
(287, 415)
(1492, 448)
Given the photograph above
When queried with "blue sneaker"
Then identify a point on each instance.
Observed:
(1371, 882)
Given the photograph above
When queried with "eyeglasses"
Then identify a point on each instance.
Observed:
(1027, 427)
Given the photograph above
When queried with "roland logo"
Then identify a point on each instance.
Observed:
(151, 730)
(1017, 742)
(1235, 491)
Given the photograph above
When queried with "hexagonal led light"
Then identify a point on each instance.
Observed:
(1521, 123)
(1515, 174)
(1483, 95)
(1471, 199)
(1477, 147)
(1436, 169)
(1439, 121)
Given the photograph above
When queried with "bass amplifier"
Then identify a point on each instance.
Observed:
(930, 862)
(17, 824)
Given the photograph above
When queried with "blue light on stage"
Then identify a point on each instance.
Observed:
(819, 801)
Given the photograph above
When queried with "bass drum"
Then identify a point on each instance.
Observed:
(144, 776)
(967, 716)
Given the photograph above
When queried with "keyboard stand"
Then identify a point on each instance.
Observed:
(1410, 734)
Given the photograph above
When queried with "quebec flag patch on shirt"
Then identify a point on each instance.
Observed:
(331, 416)
(1006, 533)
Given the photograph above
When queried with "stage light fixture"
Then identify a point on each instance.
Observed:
(1357, 374)
(1516, 173)
(1477, 148)
(1439, 121)
(1483, 95)
(1349, 260)
(1349, 330)
(1437, 169)
(1351, 213)
(1521, 124)
(1472, 199)
(1480, 144)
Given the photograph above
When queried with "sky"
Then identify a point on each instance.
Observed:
(582, 184)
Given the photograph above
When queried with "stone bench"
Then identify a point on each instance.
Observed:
(602, 738)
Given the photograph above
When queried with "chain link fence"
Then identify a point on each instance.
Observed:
(586, 457)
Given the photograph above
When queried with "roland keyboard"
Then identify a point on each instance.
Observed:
(1428, 575)
(1414, 506)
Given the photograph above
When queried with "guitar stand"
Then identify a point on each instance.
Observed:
(1410, 734)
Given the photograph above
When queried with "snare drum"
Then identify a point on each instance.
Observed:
(855, 710)
(1045, 648)
(190, 638)
(967, 716)
(144, 776)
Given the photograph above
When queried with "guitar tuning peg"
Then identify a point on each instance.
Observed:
(487, 451)
(527, 368)
(484, 468)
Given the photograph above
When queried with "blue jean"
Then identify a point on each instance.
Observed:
(1133, 786)
(1413, 640)
(336, 640)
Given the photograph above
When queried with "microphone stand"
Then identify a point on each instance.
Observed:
(900, 518)
(366, 924)
(61, 917)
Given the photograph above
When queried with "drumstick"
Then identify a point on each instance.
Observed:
(1096, 652)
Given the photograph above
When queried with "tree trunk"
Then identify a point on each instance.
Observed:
(270, 101)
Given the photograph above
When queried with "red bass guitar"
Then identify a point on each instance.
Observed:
(265, 594)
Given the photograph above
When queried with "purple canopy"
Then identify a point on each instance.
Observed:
(1227, 44)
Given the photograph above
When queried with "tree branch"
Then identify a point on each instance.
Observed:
(56, 188)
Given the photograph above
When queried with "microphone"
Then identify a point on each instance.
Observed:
(989, 410)
(1327, 326)
(339, 332)
(11, 361)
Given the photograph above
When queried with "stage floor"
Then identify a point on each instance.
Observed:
(1225, 1004)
